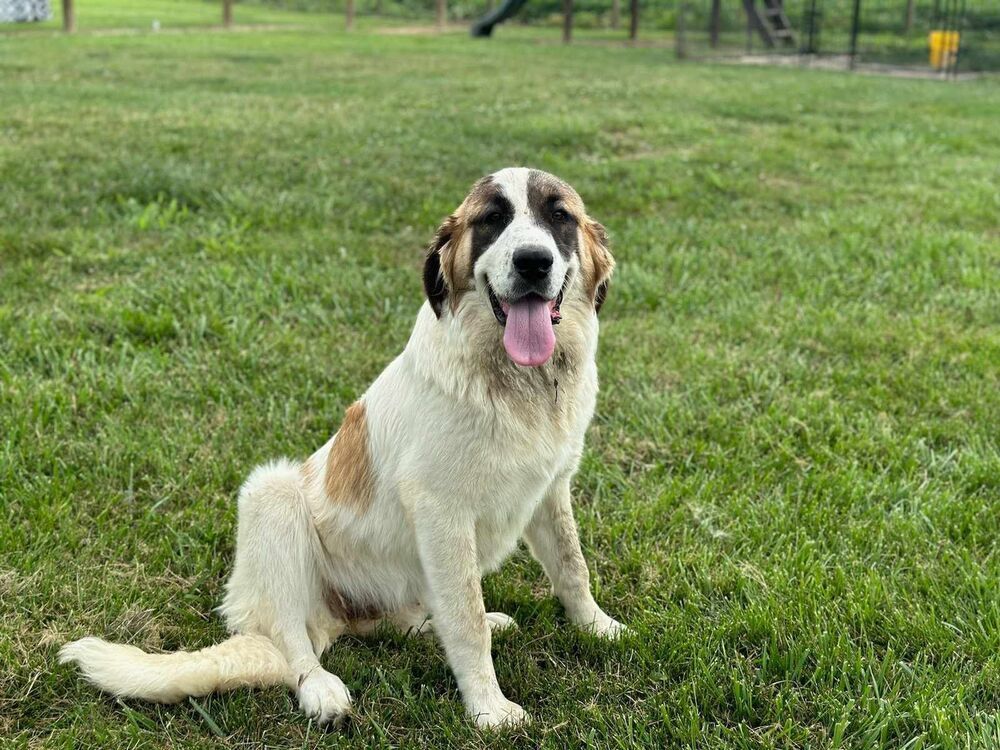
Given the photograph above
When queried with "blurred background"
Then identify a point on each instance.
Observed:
(913, 34)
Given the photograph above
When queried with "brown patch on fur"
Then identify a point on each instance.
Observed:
(595, 260)
(456, 260)
(349, 479)
(448, 265)
(481, 194)
(545, 183)
(344, 609)
(456, 265)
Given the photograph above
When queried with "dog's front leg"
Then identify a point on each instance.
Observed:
(447, 546)
(553, 540)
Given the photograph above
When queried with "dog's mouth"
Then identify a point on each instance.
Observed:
(500, 309)
(527, 322)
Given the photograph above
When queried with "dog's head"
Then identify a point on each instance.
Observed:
(519, 246)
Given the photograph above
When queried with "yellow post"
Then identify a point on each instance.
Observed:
(943, 48)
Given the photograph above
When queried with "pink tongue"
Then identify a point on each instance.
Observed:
(528, 336)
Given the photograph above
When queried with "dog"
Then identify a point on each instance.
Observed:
(466, 442)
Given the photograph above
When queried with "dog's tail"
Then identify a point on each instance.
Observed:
(129, 672)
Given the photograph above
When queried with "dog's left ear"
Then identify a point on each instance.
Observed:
(598, 262)
(435, 285)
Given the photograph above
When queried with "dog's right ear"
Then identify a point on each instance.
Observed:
(435, 285)
(599, 263)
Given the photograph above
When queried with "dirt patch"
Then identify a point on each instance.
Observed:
(843, 63)
(134, 31)
(452, 28)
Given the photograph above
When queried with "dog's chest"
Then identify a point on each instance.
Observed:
(515, 461)
(478, 446)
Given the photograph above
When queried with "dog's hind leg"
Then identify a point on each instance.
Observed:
(416, 620)
(276, 588)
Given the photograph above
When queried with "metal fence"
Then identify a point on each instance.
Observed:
(946, 36)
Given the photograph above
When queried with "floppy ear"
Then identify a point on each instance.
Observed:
(599, 297)
(598, 264)
(434, 281)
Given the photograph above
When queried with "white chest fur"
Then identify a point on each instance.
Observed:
(445, 435)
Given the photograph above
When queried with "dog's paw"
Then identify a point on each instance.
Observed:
(324, 697)
(499, 713)
(605, 627)
(498, 621)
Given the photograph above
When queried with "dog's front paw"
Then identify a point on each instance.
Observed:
(499, 713)
(324, 697)
(605, 627)
(612, 630)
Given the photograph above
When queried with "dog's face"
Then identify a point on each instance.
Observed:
(521, 243)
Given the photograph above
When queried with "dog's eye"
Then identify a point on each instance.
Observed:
(560, 215)
(493, 218)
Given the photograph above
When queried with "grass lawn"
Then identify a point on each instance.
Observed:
(211, 243)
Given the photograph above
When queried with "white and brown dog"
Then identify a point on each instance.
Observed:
(465, 443)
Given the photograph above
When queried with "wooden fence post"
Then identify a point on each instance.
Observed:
(680, 43)
(616, 13)
(69, 16)
(227, 13)
(349, 15)
(442, 14)
(567, 21)
(633, 23)
(715, 23)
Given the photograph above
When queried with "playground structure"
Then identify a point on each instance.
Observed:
(919, 35)
(484, 26)
(768, 19)
(915, 35)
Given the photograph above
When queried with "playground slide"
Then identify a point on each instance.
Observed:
(484, 26)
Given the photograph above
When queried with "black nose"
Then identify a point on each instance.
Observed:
(532, 262)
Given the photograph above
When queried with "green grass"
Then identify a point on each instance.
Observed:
(211, 243)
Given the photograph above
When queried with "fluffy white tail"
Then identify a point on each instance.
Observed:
(129, 672)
